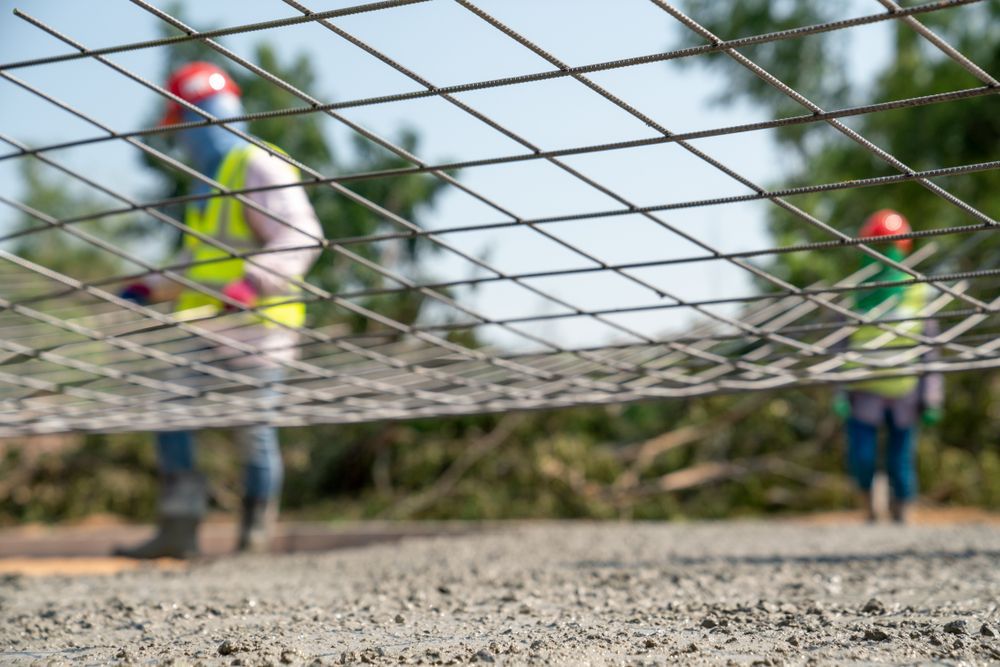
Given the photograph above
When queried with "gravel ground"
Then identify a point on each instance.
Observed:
(549, 593)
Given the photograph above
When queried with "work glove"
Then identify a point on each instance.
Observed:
(241, 291)
(842, 405)
(137, 293)
(931, 416)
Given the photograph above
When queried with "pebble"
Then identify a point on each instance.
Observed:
(986, 631)
(874, 606)
(228, 647)
(876, 634)
(957, 627)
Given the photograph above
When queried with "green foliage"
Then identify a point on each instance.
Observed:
(50, 198)
(940, 135)
(812, 66)
(75, 477)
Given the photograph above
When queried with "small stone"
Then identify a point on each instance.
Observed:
(874, 606)
(228, 647)
(709, 623)
(957, 627)
(444, 590)
(876, 634)
(691, 648)
(769, 607)
(399, 618)
(483, 656)
(986, 631)
(288, 656)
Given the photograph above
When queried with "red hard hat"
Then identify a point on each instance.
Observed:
(194, 82)
(887, 223)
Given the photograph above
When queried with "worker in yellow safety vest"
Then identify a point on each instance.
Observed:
(265, 249)
(897, 402)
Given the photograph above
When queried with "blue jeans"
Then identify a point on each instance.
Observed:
(862, 454)
(263, 469)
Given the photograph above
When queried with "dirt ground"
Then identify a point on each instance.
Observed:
(547, 593)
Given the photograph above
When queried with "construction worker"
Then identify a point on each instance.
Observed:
(285, 220)
(897, 403)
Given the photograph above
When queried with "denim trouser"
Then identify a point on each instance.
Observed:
(862, 440)
(263, 471)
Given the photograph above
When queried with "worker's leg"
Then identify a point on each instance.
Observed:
(263, 473)
(263, 477)
(262, 486)
(862, 452)
(175, 450)
(182, 502)
(902, 469)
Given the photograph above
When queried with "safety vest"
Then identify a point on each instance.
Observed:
(224, 220)
(913, 301)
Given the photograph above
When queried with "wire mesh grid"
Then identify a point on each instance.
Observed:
(74, 355)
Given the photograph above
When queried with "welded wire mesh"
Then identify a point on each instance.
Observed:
(76, 356)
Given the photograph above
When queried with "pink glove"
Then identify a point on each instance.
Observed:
(241, 291)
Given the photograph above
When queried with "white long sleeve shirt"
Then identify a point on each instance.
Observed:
(289, 205)
(290, 222)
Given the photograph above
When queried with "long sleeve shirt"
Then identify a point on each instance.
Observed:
(300, 234)
(289, 222)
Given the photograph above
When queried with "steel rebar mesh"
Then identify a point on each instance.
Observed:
(76, 356)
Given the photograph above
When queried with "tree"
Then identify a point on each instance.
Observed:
(939, 135)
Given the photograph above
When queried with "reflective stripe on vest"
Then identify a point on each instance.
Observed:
(223, 220)
(913, 301)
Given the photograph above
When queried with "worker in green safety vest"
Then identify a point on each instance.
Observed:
(895, 402)
(248, 256)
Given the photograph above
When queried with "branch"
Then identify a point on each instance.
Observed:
(444, 484)
(645, 453)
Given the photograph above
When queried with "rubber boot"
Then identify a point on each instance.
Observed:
(257, 524)
(899, 510)
(869, 506)
(183, 501)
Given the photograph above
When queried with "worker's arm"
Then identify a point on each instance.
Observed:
(293, 226)
(156, 287)
(168, 289)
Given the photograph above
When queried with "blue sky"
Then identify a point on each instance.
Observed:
(447, 44)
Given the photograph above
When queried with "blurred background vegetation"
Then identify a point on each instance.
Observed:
(707, 457)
